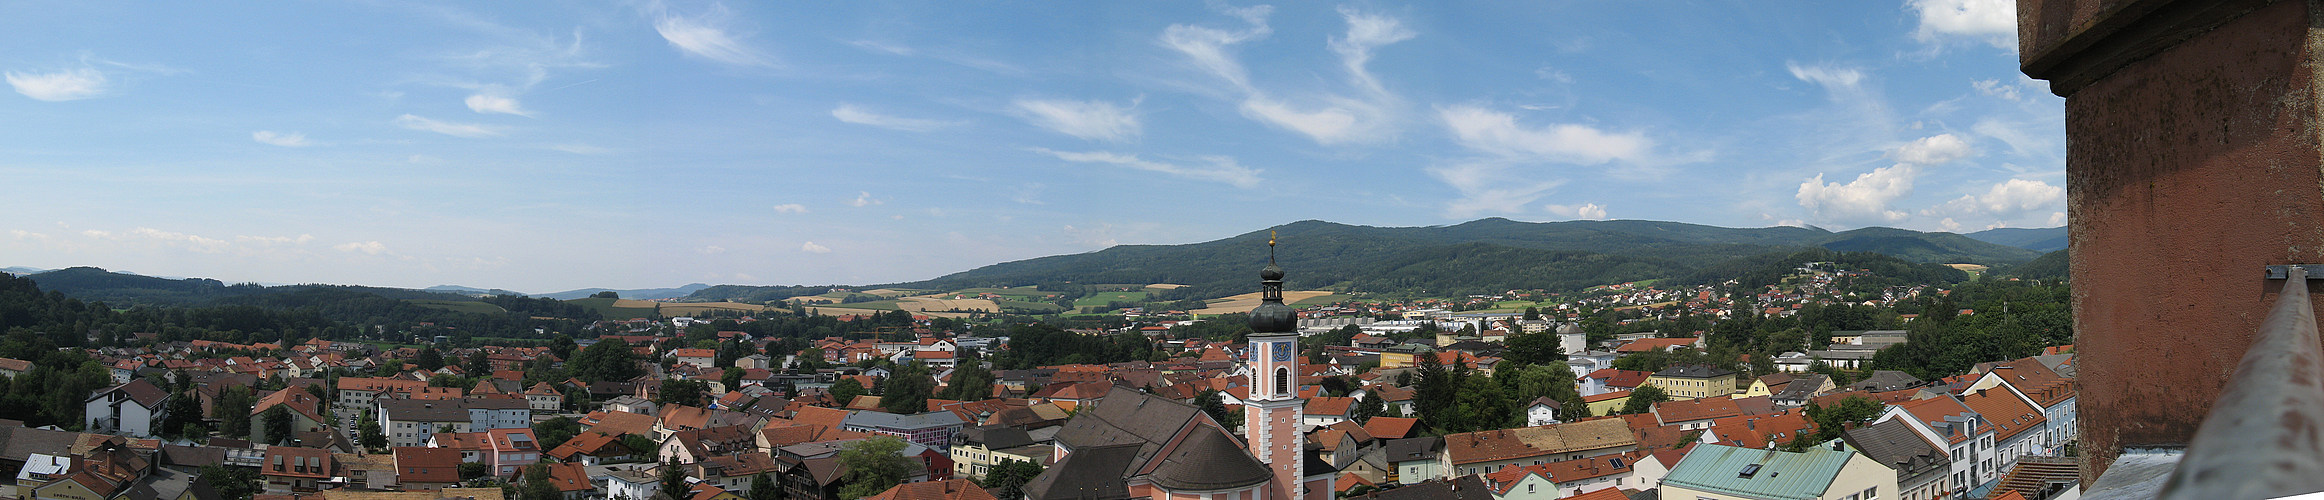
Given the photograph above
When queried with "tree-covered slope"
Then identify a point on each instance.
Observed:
(1494, 253)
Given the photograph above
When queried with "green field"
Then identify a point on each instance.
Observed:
(459, 306)
(1031, 307)
(1021, 292)
(1103, 298)
(1321, 300)
(604, 307)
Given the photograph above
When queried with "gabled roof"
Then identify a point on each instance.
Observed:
(1390, 427)
(140, 391)
(2008, 415)
(1330, 406)
(1939, 414)
(1894, 444)
(427, 465)
(1621, 378)
(1672, 412)
(1506, 444)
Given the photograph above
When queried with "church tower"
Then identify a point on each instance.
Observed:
(1271, 417)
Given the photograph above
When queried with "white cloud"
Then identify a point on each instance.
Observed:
(1365, 33)
(1101, 236)
(1587, 211)
(1934, 150)
(862, 199)
(811, 247)
(1093, 120)
(711, 250)
(485, 103)
(1207, 46)
(276, 240)
(1324, 117)
(2005, 200)
(289, 140)
(1219, 169)
(1510, 175)
(2057, 219)
(793, 208)
(367, 247)
(67, 85)
(469, 130)
(1996, 88)
(1866, 199)
(194, 242)
(1991, 21)
(1829, 77)
(1498, 133)
(851, 114)
(705, 37)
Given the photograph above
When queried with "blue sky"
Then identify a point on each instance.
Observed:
(543, 146)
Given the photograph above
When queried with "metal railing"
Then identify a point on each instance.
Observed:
(2264, 437)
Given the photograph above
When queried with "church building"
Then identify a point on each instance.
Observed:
(1130, 444)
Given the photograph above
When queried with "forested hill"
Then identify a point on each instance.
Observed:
(1483, 255)
(95, 284)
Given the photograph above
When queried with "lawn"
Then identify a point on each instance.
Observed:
(612, 309)
(1103, 298)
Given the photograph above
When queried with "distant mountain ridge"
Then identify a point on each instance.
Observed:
(2048, 239)
(1477, 256)
(638, 293)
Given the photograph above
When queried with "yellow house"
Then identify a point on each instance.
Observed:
(1606, 404)
(988, 448)
(1721, 472)
(1694, 382)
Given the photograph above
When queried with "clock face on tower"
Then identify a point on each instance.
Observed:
(1282, 352)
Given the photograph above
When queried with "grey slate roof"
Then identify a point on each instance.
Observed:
(1089, 473)
(1886, 380)
(1692, 371)
(22, 442)
(1209, 460)
(1801, 388)
(1894, 444)
(997, 437)
(884, 420)
(1410, 449)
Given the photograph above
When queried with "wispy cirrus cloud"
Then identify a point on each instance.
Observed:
(288, 140)
(1328, 118)
(851, 113)
(64, 85)
(1220, 169)
(706, 36)
(488, 103)
(469, 130)
(1092, 120)
(1517, 164)
(811, 247)
(792, 208)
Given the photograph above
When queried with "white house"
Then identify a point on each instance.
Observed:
(130, 409)
(1543, 411)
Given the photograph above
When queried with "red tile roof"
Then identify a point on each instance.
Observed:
(1390, 427)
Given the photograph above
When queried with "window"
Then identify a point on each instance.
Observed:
(1282, 380)
(1872, 493)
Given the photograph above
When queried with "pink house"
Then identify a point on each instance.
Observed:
(511, 449)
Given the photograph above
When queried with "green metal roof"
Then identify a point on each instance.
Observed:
(1780, 475)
